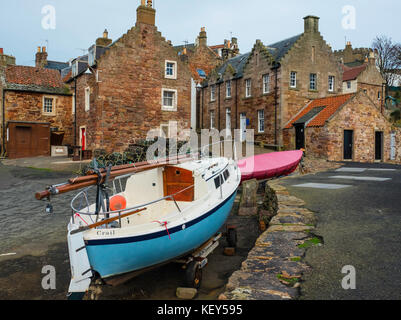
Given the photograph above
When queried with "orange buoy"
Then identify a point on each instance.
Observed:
(118, 203)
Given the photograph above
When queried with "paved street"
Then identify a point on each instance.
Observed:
(359, 218)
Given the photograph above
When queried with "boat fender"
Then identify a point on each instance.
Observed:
(118, 203)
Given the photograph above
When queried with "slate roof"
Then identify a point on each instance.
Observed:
(279, 49)
(56, 65)
(24, 78)
(325, 108)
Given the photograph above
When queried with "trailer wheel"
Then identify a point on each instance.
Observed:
(232, 238)
(193, 275)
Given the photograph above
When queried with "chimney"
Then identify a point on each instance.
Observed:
(145, 13)
(372, 58)
(41, 58)
(203, 37)
(311, 24)
(105, 41)
(1, 51)
(184, 51)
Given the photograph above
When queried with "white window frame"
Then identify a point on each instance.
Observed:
(293, 79)
(266, 83)
(261, 121)
(174, 75)
(332, 80)
(228, 89)
(87, 99)
(175, 99)
(75, 68)
(349, 84)
(213, 93)
(248, 88)
(212, 119)
(53, 106)
(228, 119)
(313, 80)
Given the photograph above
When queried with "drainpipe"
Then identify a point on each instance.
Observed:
(75, 113)
(219, 108)
(236, 104)
(202, 125)
(4, 123)
(275, 105)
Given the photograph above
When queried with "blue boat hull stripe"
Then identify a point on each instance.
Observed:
(157, 234)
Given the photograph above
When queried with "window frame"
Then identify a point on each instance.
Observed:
(314, 81)
(266, 83)
(212, 119)
(174, 69)
(248, 88)
(53, 106)
(173, 107)
(228, 116)
(331, 84)
(213, 93)
(228, 89)
(293, 81)
(261, 120)
(87, 99)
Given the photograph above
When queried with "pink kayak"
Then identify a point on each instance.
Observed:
(270, 165)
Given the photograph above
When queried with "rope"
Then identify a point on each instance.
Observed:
(164, 224)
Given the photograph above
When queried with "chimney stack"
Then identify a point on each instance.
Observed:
(203, 37)
(311, 24)
(41, 58)
(145, 13)
(104, 41)
(372, 58)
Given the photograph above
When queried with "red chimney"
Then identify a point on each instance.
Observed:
(1, 51)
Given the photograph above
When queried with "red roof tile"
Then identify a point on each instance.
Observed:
(353, 73)
(331, 104)
(24, 75)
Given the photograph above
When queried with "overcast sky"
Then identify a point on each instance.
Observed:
(79, 22)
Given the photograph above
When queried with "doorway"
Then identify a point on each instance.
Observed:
(378, 146)
(348, 144)
(300, 136)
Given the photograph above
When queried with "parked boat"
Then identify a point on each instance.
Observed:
(270, 165)
(163, 213)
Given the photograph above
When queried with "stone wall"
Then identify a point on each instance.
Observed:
(28, 106)
(126, 100)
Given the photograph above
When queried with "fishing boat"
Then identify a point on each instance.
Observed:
(162, 213)
(270, 165)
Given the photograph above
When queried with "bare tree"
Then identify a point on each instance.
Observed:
(388, 59)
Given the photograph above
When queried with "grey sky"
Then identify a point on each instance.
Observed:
(80, 22)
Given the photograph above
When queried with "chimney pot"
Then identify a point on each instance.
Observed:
(150, 4)
(184, 51)
(43, 49)
(39, 49)
(1, 51)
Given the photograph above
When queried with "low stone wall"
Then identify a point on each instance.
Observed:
(274, 267)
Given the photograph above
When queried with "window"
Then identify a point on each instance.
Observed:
(48, 106)
(212, 119)
(331, 83)
(293, 79)
(213, 93)
(261, 121)
(169, 99)
(379, 95)
(218, 181)
(266, 83)
(228, 89)
(312, 81)
(248, 88)
(75, 68)
(87, 99)
(91, 56)
(349, 84)
(226, 175)
(171, 70)
(228, 119)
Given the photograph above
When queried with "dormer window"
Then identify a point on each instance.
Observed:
(92, 56)
(75, 68)
(171, 70)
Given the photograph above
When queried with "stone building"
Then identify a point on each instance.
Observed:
(140, 82)
(263, 89)
(35, 104)
(347, 127)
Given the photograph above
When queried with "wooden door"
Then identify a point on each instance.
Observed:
(178, 182)
(348, 144)
(23, 142)
(378, 146)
